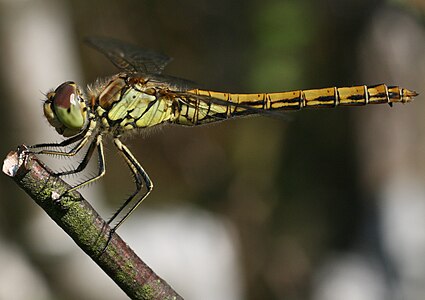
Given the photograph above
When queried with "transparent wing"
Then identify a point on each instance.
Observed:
(171, 83)
(128, 57)
(192, 99)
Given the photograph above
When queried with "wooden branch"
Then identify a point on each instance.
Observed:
(84, 225)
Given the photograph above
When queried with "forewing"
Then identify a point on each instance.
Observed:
(128, 57)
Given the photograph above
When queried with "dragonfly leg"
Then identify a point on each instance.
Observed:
(64, 143)
(101, 159)
(83, 164)
(140, 176)
(82, 138)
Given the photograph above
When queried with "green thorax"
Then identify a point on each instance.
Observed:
(125, 103)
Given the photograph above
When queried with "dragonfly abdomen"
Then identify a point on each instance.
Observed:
(315, 98)
(219, 105)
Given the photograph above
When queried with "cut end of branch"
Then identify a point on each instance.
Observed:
(12, 164)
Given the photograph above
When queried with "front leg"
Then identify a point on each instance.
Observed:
(82, 138)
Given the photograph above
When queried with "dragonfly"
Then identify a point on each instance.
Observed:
(141, 97)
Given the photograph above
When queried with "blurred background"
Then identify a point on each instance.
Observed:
(330, 205)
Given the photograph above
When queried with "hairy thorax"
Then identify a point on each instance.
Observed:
(125, 103)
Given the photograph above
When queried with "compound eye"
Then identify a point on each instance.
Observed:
(68, 106)
(65, 109)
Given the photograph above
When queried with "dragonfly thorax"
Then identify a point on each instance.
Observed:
(65, 109)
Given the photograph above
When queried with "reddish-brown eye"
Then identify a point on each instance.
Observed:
(65, 109)
(65, 95)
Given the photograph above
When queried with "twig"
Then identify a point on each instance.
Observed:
(84, 225)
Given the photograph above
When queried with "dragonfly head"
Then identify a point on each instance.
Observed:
(65, 109)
